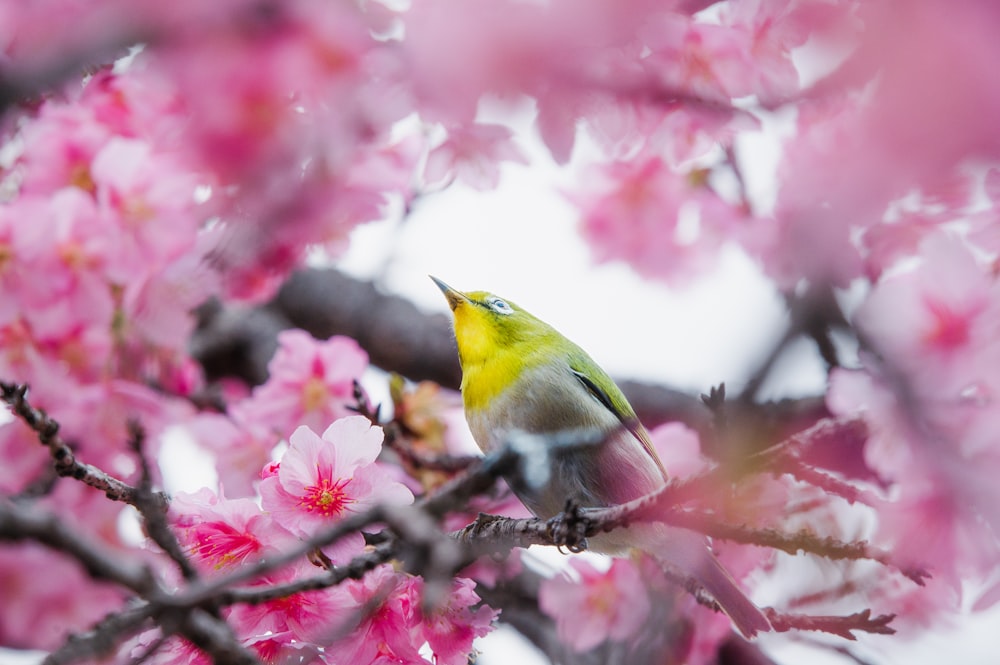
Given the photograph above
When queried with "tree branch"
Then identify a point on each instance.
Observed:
(66, 463)
(25, 522)
(236, 341)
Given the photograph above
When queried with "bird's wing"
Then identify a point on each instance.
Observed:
(611, 396)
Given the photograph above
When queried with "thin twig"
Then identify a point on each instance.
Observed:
(154, 512)
(66, 463)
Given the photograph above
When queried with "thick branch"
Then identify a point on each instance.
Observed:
(398, 337)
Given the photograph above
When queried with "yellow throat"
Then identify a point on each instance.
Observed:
(497, 341)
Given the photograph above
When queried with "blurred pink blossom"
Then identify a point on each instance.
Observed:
(597, 606)
(451, 627)
(239, 449)
(311, 383)
(632, 211)
(473, 155)
(47, 596)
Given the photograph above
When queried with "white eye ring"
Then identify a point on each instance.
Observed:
(500, 306)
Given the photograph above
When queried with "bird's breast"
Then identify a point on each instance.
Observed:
(551, 399)
(539, 399)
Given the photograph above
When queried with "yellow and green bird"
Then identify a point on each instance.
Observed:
(521, 374)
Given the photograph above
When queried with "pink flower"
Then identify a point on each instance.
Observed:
(320, 480)
(47, 596)
(632, 211)
(59, 148)
(66, 250)
(311, 383)
(283, 649)
(151, 200)
(312, 617)
(707, 61)
(158, 305)
(451, 627)
(473, 154)
(597, 606)
(390, 632)
(773, 28)
(941, 485)
(219, 533)
(937, 322)
(239, 450)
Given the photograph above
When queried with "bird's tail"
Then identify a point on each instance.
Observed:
(687, 553)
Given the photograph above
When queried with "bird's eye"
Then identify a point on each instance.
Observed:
(500, 306)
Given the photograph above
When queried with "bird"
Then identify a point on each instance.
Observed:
(520, 375)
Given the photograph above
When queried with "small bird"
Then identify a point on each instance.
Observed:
(520, 374)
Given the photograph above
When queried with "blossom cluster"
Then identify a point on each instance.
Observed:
(318, 481)
(157, 155)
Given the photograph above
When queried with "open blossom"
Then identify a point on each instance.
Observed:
(936, 322)
(151, 199)
(389, 633)
(59, 147)
(319, 480)
(311, 383)
(597, 606)
(218, 532)
(315, 616)
(633, 212)
(394, 631)
(58, 263)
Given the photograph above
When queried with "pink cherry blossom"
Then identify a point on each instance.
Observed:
(473, 155)
(774, 29)
(47, 596)
(158, 305)
(282, 648)
(311, 383)
(220, 533)
(450, 628)
(152, 202)
(240, 450)
(68, 243)
(707, 61)
(936, 322)
(928, 393)
(597, 606)
(941, 484)
(390, 632)
(320, 480)
(311, 617)
(59, 148)
(632, 211)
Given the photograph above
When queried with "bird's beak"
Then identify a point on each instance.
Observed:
(454, 296)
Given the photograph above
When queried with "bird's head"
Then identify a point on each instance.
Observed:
(487, 325)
